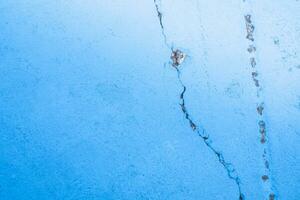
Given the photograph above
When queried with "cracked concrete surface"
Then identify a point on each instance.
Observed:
(269, 187)
(158, 99)
(177, 57)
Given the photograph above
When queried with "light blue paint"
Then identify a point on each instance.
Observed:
(89, 103)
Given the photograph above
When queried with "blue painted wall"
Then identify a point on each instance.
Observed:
(90, 104)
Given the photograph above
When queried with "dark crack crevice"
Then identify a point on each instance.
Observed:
(177, 58)
(159, 15)
(231, 172)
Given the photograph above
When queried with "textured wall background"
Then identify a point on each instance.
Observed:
(92, 108)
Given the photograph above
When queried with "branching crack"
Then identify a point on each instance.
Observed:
(177, 58)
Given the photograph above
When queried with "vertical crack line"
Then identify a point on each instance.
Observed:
(177, 58)
(251, 49)
(231, 171)
(160, 16)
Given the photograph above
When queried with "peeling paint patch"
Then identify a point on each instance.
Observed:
(265, 177)
(260, 108)
(251, 50)
(272, 197)
(249, 27)
(177, 57)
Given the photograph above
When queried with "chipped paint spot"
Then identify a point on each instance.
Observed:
(265, 177)
(177, 57)
(272, 196)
